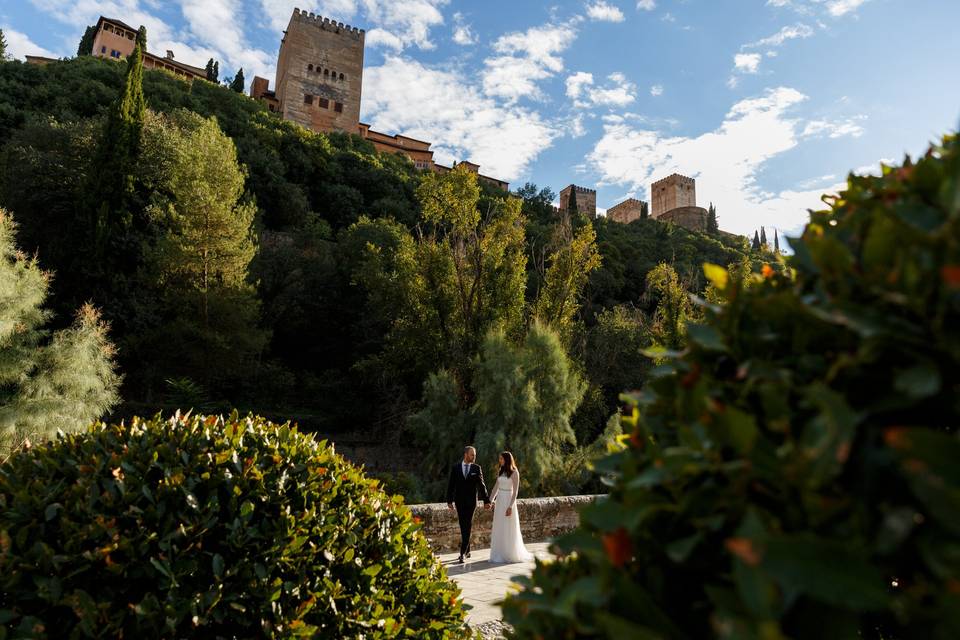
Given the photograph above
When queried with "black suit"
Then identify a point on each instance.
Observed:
(463, 491)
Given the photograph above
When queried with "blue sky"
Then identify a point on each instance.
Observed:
(768, 103)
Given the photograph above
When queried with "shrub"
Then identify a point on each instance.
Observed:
(795, 472)
(205, 527)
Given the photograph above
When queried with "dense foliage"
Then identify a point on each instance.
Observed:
(203, 527)
(794, 473)
(48, 382)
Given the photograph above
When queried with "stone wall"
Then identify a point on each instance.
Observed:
(627, 211)
(693, 218)
(540, 520)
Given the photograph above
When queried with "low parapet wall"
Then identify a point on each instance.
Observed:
(540, 520)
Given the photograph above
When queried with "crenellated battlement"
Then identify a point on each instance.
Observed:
(675, 178)
(327, 24)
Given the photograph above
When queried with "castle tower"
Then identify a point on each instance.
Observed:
(320, 73)
(586, 200)
(673, 192)
(627, 211)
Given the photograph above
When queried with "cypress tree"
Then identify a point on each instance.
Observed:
(763, 238)
(216, 71)
(213, 70)
(712, 225)
(3, 46)
(572, 204)
(238, 83)
(756, 241)
(86, 42)
(776, 242)
(113, 173)
(644, 210)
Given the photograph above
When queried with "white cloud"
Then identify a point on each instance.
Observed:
(383, 38)
(618, 92)
(656, 90)
(746, 62)
(524, 58)
(838, 129)
(725, 161)
(668, 17)
(20, 45)
(837, 8)
(646, 5)
(219, 25)
(788, 32)
(409, 20)
(462, 33)
(604, 12)
(462, 122)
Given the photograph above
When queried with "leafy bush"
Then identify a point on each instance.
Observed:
(204, 527)
(795, 472)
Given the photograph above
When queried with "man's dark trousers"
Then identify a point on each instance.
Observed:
(463, 492)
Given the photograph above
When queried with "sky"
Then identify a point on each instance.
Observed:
(767, 103)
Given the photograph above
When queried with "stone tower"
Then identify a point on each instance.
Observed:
(320, 73)
(673, 192)
(586, 200)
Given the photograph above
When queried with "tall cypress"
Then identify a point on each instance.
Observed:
(3, 47)
(213, 70)
(756, 241)
(216, 71)
(763, 237)
(113, 173)
(238, 82)
(644, 210)
(776, 242)
(712, 224)
(86, 42)
(572, 204)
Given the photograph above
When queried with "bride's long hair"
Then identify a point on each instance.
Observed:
(509, 465)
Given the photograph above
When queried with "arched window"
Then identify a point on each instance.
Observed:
(341, 76)
(326, 72)
(309, 67)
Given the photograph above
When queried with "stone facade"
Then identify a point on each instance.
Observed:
(586, 200)
(320, 73)
(627, 211)
(693, 218)
(541, 519)
(672, 192)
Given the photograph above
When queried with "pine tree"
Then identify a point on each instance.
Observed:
(572, 205)
(644, 210)
(3, 46)
(763, 238)
(756, 241)
(47, 382)
(712, 225)
(776, 242)
(238, 82)
(86, 42)
(216, 71)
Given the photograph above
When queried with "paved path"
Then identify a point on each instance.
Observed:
(484, 583)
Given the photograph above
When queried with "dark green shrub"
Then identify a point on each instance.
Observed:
(795, 473)
(200, 527)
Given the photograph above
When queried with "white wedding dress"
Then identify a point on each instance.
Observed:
(506, 541)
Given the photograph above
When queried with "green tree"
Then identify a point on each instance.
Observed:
(114, 170)
(3, 46)
(776, 242)
(572, 208)
(756, 241)
(201, 259)
(644, 210)
(213, 70)
(85, 48)
(712, 222)
(574, 257)
(238, 83)
(763, 239)
(673, 308)
(62, 380)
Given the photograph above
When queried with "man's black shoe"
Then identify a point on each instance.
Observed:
(460, 560)
(468, 554)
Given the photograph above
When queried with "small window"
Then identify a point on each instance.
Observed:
(323, 103)
(341, 76)
(129, 36)
(338, 107)
(326, 72)
(307, 98)
(103, 49)
(309, 67)
(333, 75)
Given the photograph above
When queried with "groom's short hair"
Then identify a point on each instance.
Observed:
(467, 449)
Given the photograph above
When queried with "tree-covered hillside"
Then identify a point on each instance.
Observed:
(332, 286)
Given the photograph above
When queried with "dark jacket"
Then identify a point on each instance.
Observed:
(465, 490)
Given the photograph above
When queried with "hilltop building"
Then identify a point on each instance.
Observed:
(319, 84)
(674, 200)
(586, 200)
(117, 40)
(627, 211)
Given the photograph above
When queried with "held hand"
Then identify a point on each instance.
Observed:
(488, 506)
(450, 506)
(509, 511)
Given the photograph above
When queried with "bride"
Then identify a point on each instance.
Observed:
(506, 541)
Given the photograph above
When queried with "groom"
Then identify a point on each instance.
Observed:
(465, 485)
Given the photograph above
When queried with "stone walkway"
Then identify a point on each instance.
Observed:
(483, 583)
